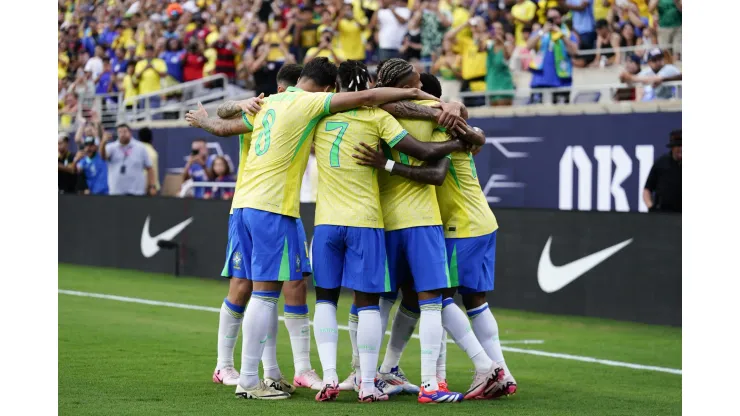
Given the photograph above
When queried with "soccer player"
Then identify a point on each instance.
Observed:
(416, 249)
(470, 237)
(267, 202)
(240, 288)
(349, 242)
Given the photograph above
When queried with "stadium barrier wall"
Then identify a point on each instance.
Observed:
(624, 266)
(578, 162)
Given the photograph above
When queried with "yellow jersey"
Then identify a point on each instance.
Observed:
(473, 62)
(348, 193)
(350, 39)
(245, 140)
(149, 79)
(522, 11)
(462, 204)
(407, 203)
(278, 153)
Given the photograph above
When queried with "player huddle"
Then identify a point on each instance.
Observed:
(399, 208)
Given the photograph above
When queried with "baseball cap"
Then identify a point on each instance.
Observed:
(654, 53)
(89, 140)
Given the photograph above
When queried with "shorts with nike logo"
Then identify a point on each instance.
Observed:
(351, 257)
(418, 254)
(264, 246)
(472, 262)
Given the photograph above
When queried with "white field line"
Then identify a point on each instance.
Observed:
(345, 328)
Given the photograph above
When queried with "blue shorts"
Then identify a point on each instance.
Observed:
(264, 247)
(351, 257)
(418, 253)
(472, 262)
(305, 262)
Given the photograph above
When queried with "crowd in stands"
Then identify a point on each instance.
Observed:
(136, 47)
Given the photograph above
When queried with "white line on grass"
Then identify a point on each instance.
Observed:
(342, 327)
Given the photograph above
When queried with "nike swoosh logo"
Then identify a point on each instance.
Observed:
(553, 278)
(149, 245)
(264, 340)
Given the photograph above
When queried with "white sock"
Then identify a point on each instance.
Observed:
(352, 324)
(269, 354)
(369, 339)
(229, 320)
(485, 329)
(442, 360)
(386, 304)
(255, 328)
(299, 328)
(430, 332)
(403, 327)
(458, 326)
(325, 331)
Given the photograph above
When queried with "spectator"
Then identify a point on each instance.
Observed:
(193, 63)
(129, 86)
(602, 8)
(221, 173)
(106, 81)
(473, 61)
(669, 23)
(174, 58)
(127, 159)
(92, 168)
(148, 75)
(653, 77)
(434, 23)
(326, 49)
(461, 14)
(523, 13)
(198, 167)
(662, 191)
(90, 128)
(350, 28)
(447, 66)
(498, 74)
(391, 21)
(63, 61)
(69, 110)
(607, 46)
(553, 65)
(119, 62)
(265, 71)
(226, 53)
(628, 39)
(411, 45)
(543, 6)
(67, 179)
(94, 65)
(145, 137)
(583, 22)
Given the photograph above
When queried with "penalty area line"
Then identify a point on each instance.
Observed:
(345, 328)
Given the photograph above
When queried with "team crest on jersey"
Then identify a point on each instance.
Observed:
(237, 260)
(297, 263)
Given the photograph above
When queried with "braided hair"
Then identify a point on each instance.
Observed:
(353, 76)
(392, 71)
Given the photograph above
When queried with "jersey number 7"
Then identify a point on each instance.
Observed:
(334, 153)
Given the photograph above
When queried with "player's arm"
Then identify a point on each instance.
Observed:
(344, 101)
(446, 114)
(432, 173)
(231, 109)
(472, 135)
(428, 151)
(216, 126)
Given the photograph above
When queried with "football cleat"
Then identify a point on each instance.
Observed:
(308, 379)
(396, 377)
(281, 385)
(439, 396)
(505, 387)
(386, 388)
(260, 392)
(484, 384)
(227, 376)
(378, 395)
(350, 383)
(328, 393)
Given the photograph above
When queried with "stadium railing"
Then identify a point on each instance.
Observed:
(188, 186)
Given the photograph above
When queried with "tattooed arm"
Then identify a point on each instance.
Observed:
(231, 109)
(216, 126)
(228, 109)
(432, 173)
(447, 115)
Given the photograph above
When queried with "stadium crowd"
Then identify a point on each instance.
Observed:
(139, 47)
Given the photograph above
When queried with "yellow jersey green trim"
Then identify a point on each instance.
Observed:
(246, 122)
(398, 138)
(327, 104)
(309, 128)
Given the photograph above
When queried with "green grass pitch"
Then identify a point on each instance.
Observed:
(118, 358)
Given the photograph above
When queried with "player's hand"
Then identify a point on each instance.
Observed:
(451, 113)
(475, 150)
(195, 118)
(253, 105)
(369, 157)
